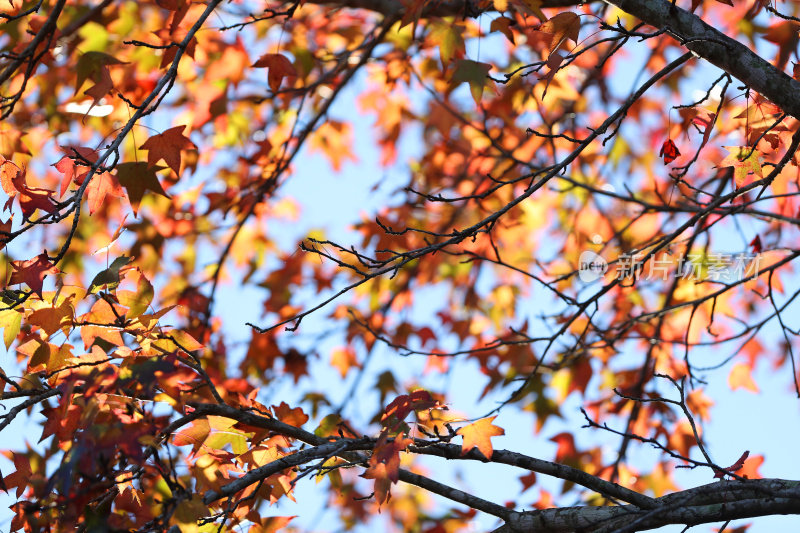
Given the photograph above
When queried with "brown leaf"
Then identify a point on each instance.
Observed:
(168, 146)
(279, 67)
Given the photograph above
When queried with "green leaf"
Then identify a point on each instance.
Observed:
(10, 321)
(475, 73)
(110, 276)
(450, 41)
(138, 178)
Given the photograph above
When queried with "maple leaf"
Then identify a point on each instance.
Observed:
(140, 177)
(503, 25)
(102, 313)
(109, 278)
(139, 300)
(384, 465)
(565, 25)
(450, 40)
(744, 161)
(669, 151)
(528, 480)
(102, 184)
(475, 73)
(94, 65)
(168, 146)
(343, 359)
(740, 377)
(54, 317)
(735, 467)
(399, 408)
(68, 165)
(11, 322)
(278, 66)
(478, 435)
(32, 272)
(534, 7)
(12, 179)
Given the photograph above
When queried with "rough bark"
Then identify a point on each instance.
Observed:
(718, 49)
(715, 502)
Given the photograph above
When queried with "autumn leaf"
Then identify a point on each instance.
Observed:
(11, 322)
(399, 408)
(166, 146)
(450, 40)
(735, 467)
(140, 177)
(565, 25)
(384, 465)
(740, 378)
(108, 279)
(187, 513)
(528, 480)
(478, 435)
(14, 184)
(503, 25)
(94, 65)
(744, 161)
(534, 7)
(102, 184)
(475, 73)
(32, 272)
(343, 359)
(294, 416)
(278, 66)
(53, 318)
(669, 151)
(756, 244)
(139, 300)
(77, 156)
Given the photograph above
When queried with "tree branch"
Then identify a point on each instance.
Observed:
(445, 8)
(715, 502)
(718, 49)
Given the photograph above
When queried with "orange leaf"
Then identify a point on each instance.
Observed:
(740, 377)
(563, 26)
(102, 185)
(478, 435)
(744, 161)
(343, 359)
(294, 417)
(279, 67)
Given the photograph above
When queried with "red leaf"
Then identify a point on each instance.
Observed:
(669, 151)
(735, 467)
(68, 166)
(756, 244)
(168, 146)
(32, 272)
(396, 412)
(279, 67)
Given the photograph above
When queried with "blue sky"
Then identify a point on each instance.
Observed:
(742, 420)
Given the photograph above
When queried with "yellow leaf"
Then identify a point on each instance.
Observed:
(740, 377)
